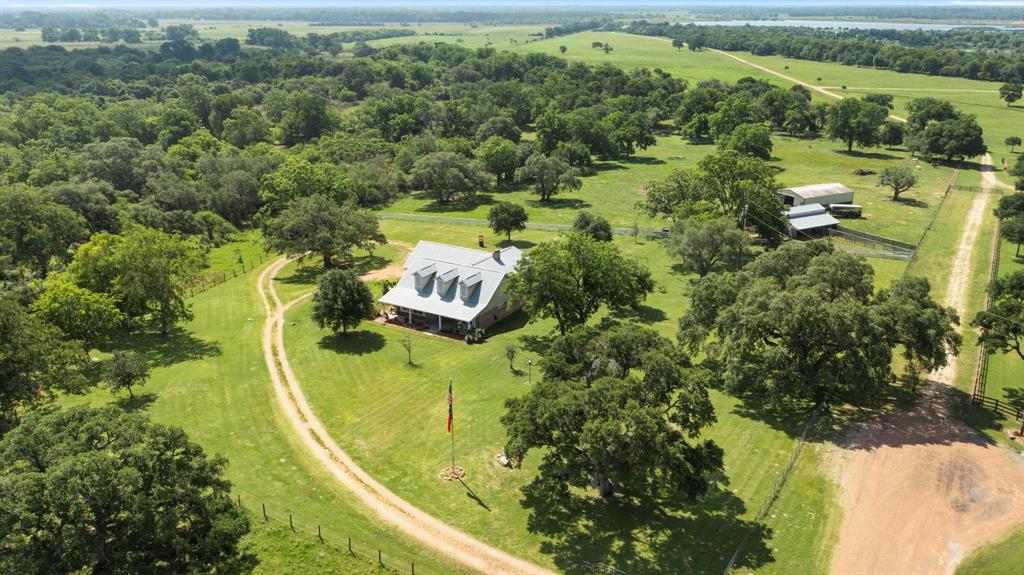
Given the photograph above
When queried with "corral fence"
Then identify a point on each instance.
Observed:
(976, 189)
(874, 239)
(485, 224)
(213, 278)
(392, 561)
(874, 246)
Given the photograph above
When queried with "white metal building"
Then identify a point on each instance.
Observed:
(824, 194)
(454, 289)
(809, 221)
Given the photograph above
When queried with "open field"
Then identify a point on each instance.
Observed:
(613, 188)
(209, 378)
(468, 35)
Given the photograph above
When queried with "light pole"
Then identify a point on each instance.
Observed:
(529, 367)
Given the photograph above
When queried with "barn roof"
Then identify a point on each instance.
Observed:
(818, 190)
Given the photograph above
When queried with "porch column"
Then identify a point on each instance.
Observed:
(410, 314)
(438, 323)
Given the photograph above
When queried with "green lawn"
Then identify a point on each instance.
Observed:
(391, 419)
(210, 379)
(1001, 558)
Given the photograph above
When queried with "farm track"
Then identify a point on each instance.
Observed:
(919, 489)
(427, 530)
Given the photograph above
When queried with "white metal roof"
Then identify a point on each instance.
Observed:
(812, 222)
(819, 190)
(481, 272)
(805, 210)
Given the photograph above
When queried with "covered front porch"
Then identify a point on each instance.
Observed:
(425, 321)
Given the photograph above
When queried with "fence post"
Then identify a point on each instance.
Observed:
(350, 546)
(265, 512)
(290, 524)
(380, 560)
(239, 500)
(318, 535)
(414, 568)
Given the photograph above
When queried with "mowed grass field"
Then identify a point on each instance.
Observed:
(391, 419)
(210, 378)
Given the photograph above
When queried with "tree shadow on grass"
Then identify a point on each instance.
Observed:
(304, 275)
(521, 244)
(642, 313)
(359, 342)
(366, 264)
(512, 322)
(640, 535)
(867, 155)
(644, 160)
(140, 402)
(162, 350)
(1014, 396)
(559, 203)
(913, 203)
(460, 205)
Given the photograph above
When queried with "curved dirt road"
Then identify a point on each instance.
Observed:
(919, 490)
(394, 510)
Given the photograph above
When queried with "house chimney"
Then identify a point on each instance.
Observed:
(496, 254)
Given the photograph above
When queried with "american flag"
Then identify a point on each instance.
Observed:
(449, 406)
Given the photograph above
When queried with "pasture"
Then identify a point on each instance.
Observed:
(210, 377)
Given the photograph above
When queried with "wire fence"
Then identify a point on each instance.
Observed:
(529, 225)
(214, 278)
(776, 489)
(390, 560)
(931, 222)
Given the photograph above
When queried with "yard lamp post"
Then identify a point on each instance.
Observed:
(529, 367)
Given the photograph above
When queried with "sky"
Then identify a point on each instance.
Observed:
(471, 4)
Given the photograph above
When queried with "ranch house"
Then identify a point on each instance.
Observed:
(453, 289)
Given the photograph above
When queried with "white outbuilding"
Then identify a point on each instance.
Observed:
(824, 194)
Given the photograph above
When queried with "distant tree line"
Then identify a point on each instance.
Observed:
(128, 35)
(580, 26)
(873, 13)
(856, 48)
(82, 19)
(279, 38)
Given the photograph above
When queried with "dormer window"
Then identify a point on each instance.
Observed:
(424, 275)
(469, 285)
(444, 281)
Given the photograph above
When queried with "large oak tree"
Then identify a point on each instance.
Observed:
(620, 410)
(91, 490)
(570, 278)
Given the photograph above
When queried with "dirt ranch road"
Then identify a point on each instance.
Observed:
(919, 490)
(430, 532)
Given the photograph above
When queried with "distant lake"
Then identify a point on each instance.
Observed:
(848, 24)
